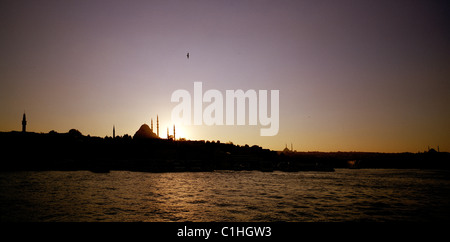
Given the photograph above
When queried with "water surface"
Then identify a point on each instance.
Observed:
(253, 196)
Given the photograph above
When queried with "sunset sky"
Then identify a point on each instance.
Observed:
(352, 75)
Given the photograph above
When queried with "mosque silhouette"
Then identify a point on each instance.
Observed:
(147, 152)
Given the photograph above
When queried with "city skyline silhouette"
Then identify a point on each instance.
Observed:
(352, 75)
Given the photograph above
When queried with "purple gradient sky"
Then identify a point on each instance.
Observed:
(353, 75)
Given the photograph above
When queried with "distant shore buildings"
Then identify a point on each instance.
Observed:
(68, 151)
(287, 150)
(146, 131)
(143, 132)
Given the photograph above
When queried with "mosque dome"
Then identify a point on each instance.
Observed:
(145, 132)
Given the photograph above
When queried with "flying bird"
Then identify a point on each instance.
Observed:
(187, 55)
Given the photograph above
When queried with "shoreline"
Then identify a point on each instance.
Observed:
(74, 151)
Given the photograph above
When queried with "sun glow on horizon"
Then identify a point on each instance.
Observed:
(380, 84)
(181, 132)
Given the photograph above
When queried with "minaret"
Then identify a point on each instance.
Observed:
(157, 126)
(24, 123)
(174, 132)
(151, 125)
(114, 132)
(167, 132)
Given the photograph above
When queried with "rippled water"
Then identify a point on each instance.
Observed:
(344, 195)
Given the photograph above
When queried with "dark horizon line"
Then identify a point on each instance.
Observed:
(215, 141)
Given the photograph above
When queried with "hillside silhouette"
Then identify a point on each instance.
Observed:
(145, 152)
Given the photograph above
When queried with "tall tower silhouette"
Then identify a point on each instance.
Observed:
(114, 131)
(174, 132)
(157, 126)
(151, 125)
(24, 123)
(167, 132)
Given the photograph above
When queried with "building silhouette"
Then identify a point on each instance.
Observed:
(145, 132)
(171, 137)
(114, 132)
(24, 123)
(157, 126)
